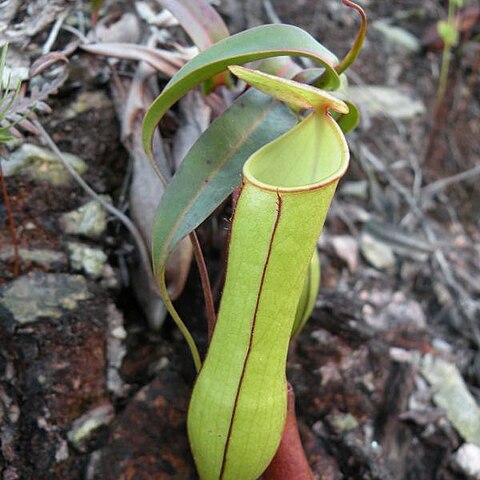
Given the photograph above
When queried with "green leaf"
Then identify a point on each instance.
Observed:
(199, 19)
(212, 168)
(208, 174)
(254, 44)
(3, 59)
(349, 121)
(448, 32)
(294, 93)
(309, 295)
(299, 95)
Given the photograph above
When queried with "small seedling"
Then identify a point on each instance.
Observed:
(448, 32)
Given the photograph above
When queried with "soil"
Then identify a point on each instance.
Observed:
(354, 368)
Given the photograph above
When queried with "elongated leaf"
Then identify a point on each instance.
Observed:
(349, 121)
(254, 44)
(163, 61)
(199, 19)
(289, 91)
(212, 168)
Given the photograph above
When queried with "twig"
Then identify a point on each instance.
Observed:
(54, 32)
(76, 32)
(412, 158)
(11, 224)
(109, 208)
(467, 306)
(436, 187)
(338, 210)
(270, 11)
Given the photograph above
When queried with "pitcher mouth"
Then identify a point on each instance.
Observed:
(271, 168)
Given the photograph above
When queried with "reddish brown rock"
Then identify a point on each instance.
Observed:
(149, 439)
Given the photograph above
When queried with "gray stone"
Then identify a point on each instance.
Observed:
(467, 459)
(357, 189)
(116, 351)
(85, 102)
(451, 394)
(13, 76)
(343, 422)
(346, 248)
(87, 259)
(397, 38)
(384, 309)
(378, 254)
(84, 426)
(89, 220)
(41, 164)
(43, 295)
(44, 257)
(382, 100)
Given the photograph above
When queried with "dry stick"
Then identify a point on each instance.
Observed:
(412, 159)
(466, 305)
(109, 208)
(435, 187)
(54, 32)
(270, 11)
(11, 224)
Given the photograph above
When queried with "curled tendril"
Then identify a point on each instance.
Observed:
(354, 51)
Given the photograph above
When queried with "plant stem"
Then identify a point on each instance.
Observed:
(447, 50)
(290, 460)
(354, 51)
(206, 287)
(11, 224)
(179, 322)
(442, 83)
